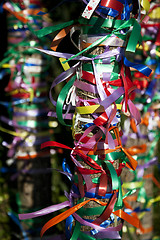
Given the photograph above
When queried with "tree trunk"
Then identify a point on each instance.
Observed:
(84, 121)
(29, 92)
(146, 135)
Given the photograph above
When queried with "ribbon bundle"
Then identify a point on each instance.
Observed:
(27, 108)
(98, 91)
(147, 100)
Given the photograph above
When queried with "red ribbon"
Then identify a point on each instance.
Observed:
(107, 212)
(89, 77)
(101, 120)
(86, 158)
(114, 4)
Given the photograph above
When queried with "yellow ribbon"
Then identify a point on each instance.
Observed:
(145, 47)
(145, 4)
(150, 202)
(158, 53)
(6, 65)
(90, 109)
(23, 134)
(64, 65)
(153, 200)
(155, 13)
(132, 185)
(29, 90)
(16, 134)
(93, 108)
(119, 106)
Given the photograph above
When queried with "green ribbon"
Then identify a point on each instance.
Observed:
(133, 185)
(97, 23)
(119, 202)
(47, 30)
(118, 25)
(5, 60)
(84, 236)
(114, 177)
(129, 193)
(76, 231)
(142, 194)
(61, 99)
(29, 106)
(33, 123)
(151, 151)
(115, 155)
(89, 211)
(113, 69)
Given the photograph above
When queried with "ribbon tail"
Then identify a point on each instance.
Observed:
(130, 219)
(132, 162)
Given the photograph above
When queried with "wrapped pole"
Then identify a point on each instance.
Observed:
(142, 141)
(28, 90)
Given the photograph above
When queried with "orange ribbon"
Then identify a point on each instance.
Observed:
(133, 125)
(66, 214)
(141, 229)
(26, 12)
(153, 179)
(133, 220)
(34, 155)
(145, 119)
(130, 219)
(16, 14)
(132, 164)
(137, 149)
(59, 37)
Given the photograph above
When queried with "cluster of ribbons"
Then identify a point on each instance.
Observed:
(146, 135)
(98, 91)
(27, 89)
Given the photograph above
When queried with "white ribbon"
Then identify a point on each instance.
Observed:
(89, 10)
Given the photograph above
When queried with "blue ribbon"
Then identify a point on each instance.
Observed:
(113, 12)
(151, 61)
(140, 67)
(17, 222)
(68, 226)
(31, 64)
(1, 6)
(87, 125)
(2, 74)
(66, 168)
(21, 101)
(6, 170)
(151, 87)
(138, 210)
(32, 6)
(126, 11)
(18, 30)
(157, 71)
(105, 224)
(94, 195)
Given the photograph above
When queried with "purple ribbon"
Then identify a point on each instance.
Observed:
(134, 112)
(141, 168)
(44, 211)
(15, 125)
(85, 86)
(110, 232)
